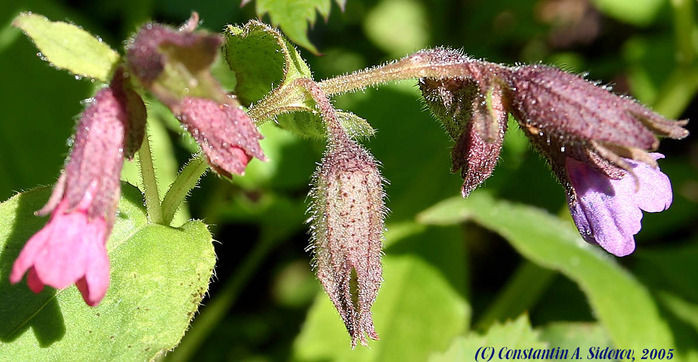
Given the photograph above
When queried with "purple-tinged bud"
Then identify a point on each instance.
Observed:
(135, 110)
(173, 63)
(347, 227)
(565, 115)
(473, 112)
(227, 136)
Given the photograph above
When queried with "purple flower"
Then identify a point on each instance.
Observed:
(607, 211)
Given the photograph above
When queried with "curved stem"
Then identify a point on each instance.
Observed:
(187, 179)
(150, 184)
(424, 64)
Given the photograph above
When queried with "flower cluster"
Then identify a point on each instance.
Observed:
(71, 248)
(598, 144)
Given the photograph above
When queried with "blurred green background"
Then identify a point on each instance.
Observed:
(441, 282)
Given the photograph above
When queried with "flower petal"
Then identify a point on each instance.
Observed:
(610, 216)
(654, 194)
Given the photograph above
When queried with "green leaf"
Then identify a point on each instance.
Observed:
(69, 47)
(293, 17)
(570, 335)
(622, 304)
(510, 336)
(158, 277)
(311, 125)
(636, 12)
(262, 60)
(419, 310)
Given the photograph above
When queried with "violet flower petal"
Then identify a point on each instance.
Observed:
(607, 211)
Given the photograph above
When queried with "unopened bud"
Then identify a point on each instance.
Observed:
(473, 112)
(347, 227)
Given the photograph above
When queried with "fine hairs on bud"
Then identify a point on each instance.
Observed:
(347, 213)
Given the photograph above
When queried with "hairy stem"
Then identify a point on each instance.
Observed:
(187, 179)
(150, 184)
(424, 64)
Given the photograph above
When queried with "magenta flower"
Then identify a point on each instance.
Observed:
(607, 211)
(71, 248)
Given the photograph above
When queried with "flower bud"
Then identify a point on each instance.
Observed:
(347, 227)
(173, 63)
(473, 112)
(226, 134)
(566, 116)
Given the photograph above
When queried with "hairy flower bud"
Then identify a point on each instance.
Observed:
(347, 226)
(227, 136)
(173, 63)
(473, 112)
(566, 116)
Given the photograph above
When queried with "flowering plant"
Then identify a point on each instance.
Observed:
(130, 255)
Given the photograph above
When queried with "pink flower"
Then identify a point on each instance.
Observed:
(607, 211)
(69, 249)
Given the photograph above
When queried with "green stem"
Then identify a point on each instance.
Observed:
(214, 312)
(150, 184)
(521, 292)
(684, 31)
(187, 179)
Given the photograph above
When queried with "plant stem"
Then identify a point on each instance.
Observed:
(187, 179)
(685, 31)
(150, 184)
(521, 292)
(214, 311)
(425, 64)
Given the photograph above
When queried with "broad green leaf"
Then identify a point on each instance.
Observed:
(69, 47)
(419, 310)
(636, 12)
(262, 60)
(158, 277)
(501, 339)
(672, 274)
(621, 303)
(293, 17)
(570, 335)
